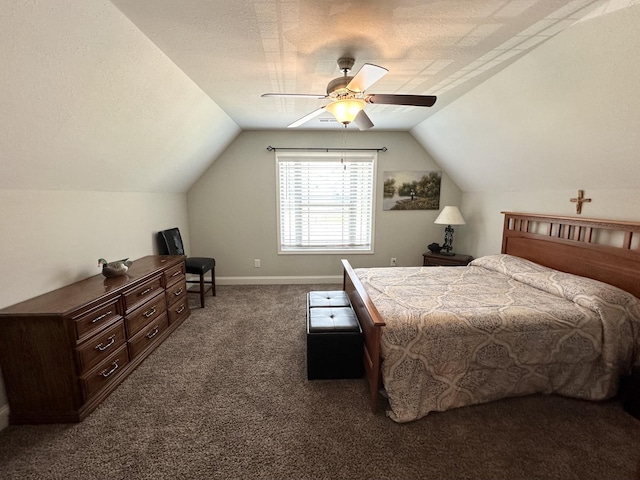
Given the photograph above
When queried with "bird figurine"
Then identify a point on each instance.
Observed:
(114, 269)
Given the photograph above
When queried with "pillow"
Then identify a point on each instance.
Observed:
(587, 292)
(581, 290)
(508, 264)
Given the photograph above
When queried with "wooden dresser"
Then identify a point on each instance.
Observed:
(64, 352)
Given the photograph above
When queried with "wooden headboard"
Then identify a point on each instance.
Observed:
(605, 250)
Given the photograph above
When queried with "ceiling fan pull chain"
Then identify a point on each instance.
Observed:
(344, 147)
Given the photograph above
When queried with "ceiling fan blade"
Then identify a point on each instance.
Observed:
(299, 95)
(411, 100)
(362, 121)
(366, 76)
(306, 118)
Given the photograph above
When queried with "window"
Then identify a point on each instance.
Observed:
(326, 201)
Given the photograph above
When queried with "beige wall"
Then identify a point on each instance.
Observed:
(484, 221)
(54, 238)
(232, 208)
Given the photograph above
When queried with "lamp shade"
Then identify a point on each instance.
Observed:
(450, 216)
(346, 110)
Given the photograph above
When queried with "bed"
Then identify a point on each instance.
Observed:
(555, 312)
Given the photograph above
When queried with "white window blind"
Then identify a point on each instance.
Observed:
(326, 201)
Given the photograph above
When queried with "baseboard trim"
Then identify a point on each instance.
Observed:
(279, 280)
(4, 416)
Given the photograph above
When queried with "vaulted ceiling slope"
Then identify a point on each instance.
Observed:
(235, 50)
(142, 95)
(87, 102)
(565, 116)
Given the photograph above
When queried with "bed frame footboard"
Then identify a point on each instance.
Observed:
(371, 324)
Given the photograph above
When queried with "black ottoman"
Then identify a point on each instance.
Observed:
(632, 393)
(334, 339)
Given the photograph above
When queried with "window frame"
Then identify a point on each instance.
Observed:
(341, 158)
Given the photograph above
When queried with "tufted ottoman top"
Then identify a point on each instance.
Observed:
(330, 298)
(338, 319)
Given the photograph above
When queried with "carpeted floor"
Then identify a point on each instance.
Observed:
(226, 396)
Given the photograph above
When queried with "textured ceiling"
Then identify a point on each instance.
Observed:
(235, 50)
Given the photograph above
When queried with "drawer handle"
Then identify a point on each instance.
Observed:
(179, 272)
(145, 291)
(112, 340)
(181, 309)
(154, 333)
(97, 319)
(150, 313)
(178, 293)
(105, 373)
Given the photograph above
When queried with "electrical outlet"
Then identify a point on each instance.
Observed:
(394, 262)
(256, 263)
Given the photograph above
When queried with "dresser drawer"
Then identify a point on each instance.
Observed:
(174, 274)
(141, 317)
(97, 348)
(92, 321)
(105, 372)
(137, 296)
(178, 310)
(148, 335)
(176, 292)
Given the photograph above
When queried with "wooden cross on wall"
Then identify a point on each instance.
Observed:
(580, 200)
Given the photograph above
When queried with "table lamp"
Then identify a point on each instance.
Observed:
(449, 216)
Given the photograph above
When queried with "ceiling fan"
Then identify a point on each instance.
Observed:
(348, 97)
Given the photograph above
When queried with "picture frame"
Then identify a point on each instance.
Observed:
(411, 190)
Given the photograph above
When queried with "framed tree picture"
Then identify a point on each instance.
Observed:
(412, 190)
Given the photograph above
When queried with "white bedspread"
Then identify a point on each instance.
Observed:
(501, 327)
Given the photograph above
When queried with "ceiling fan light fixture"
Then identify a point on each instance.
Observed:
(346, 110)
(348, 98)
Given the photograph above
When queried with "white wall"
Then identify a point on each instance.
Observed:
(232, 208)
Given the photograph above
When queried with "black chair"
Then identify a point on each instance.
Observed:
(170, 243)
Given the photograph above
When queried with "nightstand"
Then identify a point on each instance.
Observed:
(439, 260)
